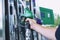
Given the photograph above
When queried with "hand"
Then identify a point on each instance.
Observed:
(32, 22)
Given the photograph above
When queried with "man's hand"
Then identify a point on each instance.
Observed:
(32, 23)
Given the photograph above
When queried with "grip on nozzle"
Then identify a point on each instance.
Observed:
(27, 25)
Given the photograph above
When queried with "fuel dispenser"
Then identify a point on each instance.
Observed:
(16, 12)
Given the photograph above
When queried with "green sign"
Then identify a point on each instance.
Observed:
(47, 16)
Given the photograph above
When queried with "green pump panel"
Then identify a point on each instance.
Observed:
(28, 13)
(47, 15)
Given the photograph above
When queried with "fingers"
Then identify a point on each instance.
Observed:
(32, 22)
(28, 19)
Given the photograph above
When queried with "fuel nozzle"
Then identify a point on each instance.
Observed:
(27, 14)
(27, 25)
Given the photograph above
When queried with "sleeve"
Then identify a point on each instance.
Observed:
(57, 34)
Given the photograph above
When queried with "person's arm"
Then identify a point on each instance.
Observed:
(47, 32)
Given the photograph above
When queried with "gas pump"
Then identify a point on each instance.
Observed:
(16, 28)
